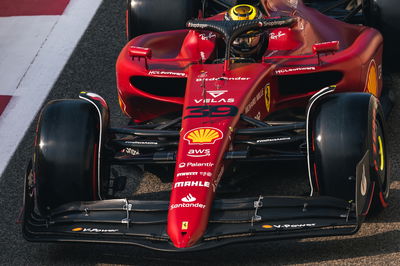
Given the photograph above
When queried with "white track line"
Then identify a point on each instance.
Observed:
(43, 71)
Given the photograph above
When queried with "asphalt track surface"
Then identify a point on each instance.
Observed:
(91, 67)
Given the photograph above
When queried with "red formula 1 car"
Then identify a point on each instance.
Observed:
(243, 86)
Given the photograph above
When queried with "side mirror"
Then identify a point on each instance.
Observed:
(140, 52)
(136, 51)
(326, 47)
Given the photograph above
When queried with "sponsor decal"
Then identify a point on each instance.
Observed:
(207, 36)
(202, 74)
(363, 184)
(203, 135)
(223, 78)
(211, 111)
(194, 174)
(170, 73)
(199, 152)
(254, 100)
(142, 142)
(185, 225)
(287, 226)
(205, 173)
(187, 174)
(229, 100)
(94, 230)
(131, 151)
(203, 56)
(195, 164)
(196, 25)
(267, 96)
(188, 198)
(216, 93)
(276, 36)
(192, 184)
(258, 116)
(267, 226)
(295, 69)
(187, 205)
(272, 139)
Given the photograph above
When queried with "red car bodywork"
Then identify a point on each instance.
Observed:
(175, 75)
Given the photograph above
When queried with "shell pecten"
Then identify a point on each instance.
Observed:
(203, 135)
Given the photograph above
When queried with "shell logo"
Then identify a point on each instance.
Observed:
(203, 135)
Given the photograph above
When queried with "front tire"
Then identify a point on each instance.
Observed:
(345, 127)
(66, 152)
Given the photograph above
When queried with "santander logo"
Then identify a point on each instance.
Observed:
(188, 198)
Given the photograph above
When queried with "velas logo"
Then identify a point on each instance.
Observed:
(216, 94)
(222, 100)
(188, 198)
(203, 135)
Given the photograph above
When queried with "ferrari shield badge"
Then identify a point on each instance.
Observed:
(185, 225)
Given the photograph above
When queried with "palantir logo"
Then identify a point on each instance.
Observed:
(188, 198)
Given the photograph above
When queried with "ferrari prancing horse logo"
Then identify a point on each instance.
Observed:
(185, 225)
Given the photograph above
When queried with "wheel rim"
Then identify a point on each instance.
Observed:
(380, 164)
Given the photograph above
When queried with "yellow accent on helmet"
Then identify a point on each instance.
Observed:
(243, 12)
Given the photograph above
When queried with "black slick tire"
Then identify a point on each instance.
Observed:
(65, 154)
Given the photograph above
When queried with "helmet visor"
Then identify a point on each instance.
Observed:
(246, 43)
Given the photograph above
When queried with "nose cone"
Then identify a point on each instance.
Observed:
(187, 222)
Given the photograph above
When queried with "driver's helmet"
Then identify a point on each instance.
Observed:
(249, 43)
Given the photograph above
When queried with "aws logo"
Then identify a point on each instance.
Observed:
(203, 135)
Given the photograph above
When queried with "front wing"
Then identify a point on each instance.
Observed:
(143, 223)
